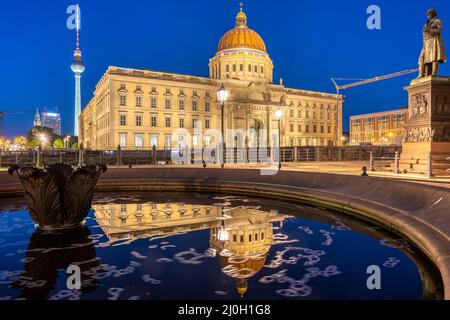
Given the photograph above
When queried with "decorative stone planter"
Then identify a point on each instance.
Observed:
(59, 196)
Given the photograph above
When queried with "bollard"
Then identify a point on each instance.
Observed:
(371, 164)
(397, 163)
(364, 172)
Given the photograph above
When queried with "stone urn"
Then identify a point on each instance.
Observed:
(59, 196)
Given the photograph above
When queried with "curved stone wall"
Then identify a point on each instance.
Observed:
(419, 212)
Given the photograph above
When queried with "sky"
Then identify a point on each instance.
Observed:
(309, 42)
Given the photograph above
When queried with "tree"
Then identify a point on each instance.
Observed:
(58, 144)
(36, 132)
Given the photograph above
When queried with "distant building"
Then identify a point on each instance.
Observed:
(378, 128)
(52, 120)
(37, 119)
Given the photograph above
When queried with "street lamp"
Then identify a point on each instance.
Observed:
(279, 115)
(222, 234)
(222, 96)
(66, 141)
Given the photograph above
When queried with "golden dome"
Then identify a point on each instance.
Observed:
(241, 36)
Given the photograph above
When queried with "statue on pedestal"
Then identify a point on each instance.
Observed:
(433, 52)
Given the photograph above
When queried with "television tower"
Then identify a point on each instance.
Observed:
(78, 69)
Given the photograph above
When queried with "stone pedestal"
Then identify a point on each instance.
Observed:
(427, 128)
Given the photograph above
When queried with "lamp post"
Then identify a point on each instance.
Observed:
(222, 234)
(279, 115)
(42, 141)
(66, 142)
(222, 96)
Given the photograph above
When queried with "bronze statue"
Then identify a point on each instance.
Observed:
(433, 52)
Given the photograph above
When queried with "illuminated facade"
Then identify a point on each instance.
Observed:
(139, 109)
(382, 128)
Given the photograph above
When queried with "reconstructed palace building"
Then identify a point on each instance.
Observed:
(139, 109)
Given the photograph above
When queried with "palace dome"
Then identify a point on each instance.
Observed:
(241, 36)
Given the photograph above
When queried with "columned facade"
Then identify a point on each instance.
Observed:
(139, 109)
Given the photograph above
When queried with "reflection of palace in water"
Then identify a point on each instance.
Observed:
(242, 236)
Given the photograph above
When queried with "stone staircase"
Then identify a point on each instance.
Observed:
(419, 165)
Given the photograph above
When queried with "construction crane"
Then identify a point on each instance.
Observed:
(2, 115)
(361, 82)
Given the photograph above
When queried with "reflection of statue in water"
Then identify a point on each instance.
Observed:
(49, 252)
(433, 52)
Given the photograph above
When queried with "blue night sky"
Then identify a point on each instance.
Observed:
(309, 42)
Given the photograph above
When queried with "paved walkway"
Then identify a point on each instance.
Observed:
(336, 167)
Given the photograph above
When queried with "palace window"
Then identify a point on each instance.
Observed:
(299, 128)
(299, 142)
(241, 67)
(123, 120)
(168, 141)
(234, 68)
(329, 129)
(291, 113)
(168, 103)
(153, 103)
(262, 69)
(123, 140)
(196, 123)
(153, 121)
(299, 113)
(123, 100)
(256, 69)
(291, 127)
(314, 114)
(181, 104)
(194, 105)
(291, 142)
(227, 68)
(249, 68)
(207, 123)
(154, 141)
(168, 122)
(139, 141)
(329, 115)
(138, 121)
(307, 114)
(321, 129)
(181, 122)
(321, 114)
(307, 128)
(315, 128)
(138, 101)
(207, 106)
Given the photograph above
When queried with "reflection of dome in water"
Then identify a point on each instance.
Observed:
(241, 268)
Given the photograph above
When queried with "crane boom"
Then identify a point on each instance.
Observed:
(375, 79)
(363, 82)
